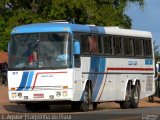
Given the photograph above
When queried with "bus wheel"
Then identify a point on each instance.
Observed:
(126, 104)
(135, 96)
(87, 100)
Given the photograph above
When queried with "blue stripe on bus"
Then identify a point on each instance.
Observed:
(29, 81)
(94, 68)
(97, 69)
(23, 81)
(100, 78)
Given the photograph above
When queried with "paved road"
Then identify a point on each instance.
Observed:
(64, 112)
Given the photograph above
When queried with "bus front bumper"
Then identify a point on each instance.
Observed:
(43, 95)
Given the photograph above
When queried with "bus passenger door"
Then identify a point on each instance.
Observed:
(77, 78)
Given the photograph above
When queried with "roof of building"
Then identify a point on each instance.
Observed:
(3, 57)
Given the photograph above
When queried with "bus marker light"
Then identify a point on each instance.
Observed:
(64, 93)
(65, 87)
(14, 95)
(13, 89)
(65, 28)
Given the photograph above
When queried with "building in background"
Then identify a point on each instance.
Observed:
(3, 57)
(3, 61)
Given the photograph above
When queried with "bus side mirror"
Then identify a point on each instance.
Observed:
(8, 50)
(76, 47)
(9, 43)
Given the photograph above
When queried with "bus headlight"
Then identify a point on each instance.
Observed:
(14, 95)
(58, 94)
(19, 95)
(64, 93)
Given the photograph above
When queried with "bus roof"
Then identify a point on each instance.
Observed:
(57, 27)
(127, 32)
(66, 27)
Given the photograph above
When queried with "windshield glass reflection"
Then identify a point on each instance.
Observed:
(39, 50)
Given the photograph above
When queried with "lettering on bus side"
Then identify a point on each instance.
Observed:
(132, 62)
(47, 75)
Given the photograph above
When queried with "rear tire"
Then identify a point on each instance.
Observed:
(126, 104)
(135, 96)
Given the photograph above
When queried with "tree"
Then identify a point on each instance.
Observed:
(98, 12)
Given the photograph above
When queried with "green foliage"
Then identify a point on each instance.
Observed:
(98, 12)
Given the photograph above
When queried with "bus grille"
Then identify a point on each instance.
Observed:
(149, 83)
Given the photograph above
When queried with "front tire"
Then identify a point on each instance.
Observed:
(87, 100)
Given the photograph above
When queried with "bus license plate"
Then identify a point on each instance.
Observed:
(38, 95)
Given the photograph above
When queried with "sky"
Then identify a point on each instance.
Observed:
(147, 18)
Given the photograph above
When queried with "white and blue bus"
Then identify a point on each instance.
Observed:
(81, 65)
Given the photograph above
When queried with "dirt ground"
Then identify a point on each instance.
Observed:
(6, 106)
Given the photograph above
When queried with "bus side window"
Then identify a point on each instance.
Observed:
(93, 44)
(77, 61)
(137, 47)
(107, 45)
(117, 45)
(147, 48)
(127, 43)
(85, 44)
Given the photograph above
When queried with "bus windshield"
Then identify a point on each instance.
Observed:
(39, 50)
